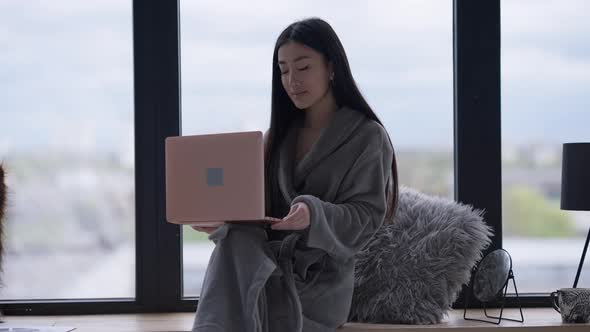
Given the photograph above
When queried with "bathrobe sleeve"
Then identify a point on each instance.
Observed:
(344, 227)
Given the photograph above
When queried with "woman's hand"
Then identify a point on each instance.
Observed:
(297, 219)
(207, 230)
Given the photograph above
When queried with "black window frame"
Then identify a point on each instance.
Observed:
(477, 116)
(157, 115)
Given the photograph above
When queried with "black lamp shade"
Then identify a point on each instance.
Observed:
(575, 177)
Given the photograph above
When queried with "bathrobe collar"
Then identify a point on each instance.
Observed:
(340, 128)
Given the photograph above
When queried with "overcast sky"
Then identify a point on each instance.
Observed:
(66, 68)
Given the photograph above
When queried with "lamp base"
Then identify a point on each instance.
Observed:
(582, 260)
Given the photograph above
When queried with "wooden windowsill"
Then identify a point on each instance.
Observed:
(536, 319)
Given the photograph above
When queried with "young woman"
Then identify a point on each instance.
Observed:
(330, 175)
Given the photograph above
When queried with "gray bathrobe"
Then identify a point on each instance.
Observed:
(303, 280)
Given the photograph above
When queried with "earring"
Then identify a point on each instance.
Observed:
(332, 77)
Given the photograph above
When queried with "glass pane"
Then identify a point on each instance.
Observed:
(545, 80)
(400, 53)
(66, 95)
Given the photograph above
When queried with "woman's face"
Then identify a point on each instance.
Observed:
(304, 73)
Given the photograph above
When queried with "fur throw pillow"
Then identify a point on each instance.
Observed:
(413, 269)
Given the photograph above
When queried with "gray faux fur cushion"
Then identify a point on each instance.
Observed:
(413, 269)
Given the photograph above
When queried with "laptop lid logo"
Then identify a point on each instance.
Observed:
(214, 177)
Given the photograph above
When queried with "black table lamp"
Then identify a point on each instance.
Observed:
(575, 185)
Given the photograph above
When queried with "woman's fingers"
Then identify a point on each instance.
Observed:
(292, 211)
(291, 219)
(298, 218)
(288, 224)
(278, 225)
(296, 214)
(293, 208)
(207, 230)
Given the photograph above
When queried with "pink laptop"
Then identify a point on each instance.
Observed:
(216, 178)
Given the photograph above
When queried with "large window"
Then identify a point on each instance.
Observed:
(77, 221)
(66, 140)
(400, 53)
(545, 80)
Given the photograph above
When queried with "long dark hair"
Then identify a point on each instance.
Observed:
(318, 35)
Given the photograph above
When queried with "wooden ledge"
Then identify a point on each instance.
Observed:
(536, 319)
